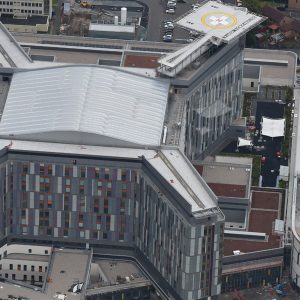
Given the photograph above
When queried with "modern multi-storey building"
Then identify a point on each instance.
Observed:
(126, 191)
(26, 7)
(93, 155)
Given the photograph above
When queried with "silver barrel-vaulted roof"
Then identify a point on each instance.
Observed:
(105, 102)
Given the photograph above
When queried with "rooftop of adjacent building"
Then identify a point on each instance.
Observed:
(66, 268)
(266, 207)
(114, 275)
(226, 176)
(277, 66)
(23, 20)
(28, 257)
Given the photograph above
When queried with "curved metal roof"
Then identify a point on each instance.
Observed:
(103, 101)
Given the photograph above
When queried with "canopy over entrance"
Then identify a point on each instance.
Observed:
(272, 127)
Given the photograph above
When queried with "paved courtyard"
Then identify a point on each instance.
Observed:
(265, 146)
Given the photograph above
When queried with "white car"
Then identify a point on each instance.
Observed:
(171, 5)
(170, 11)
(195, 6)
(189, 40)
(169, 25)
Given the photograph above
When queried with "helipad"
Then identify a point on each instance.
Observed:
(219, 20)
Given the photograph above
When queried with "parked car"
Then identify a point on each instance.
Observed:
(168, 25)
(171, 5)
(167, 38)
(195, 6)
(170, 11)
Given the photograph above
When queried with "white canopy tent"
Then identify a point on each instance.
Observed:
(272, 127)
(244, 143)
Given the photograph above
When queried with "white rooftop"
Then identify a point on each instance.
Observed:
(112, 28)
(105, 103)
(171, 164)
(218, 20)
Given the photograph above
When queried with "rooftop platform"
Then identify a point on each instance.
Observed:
(141, 61)
(220, 21)
(66, 268)
(226, 176)
(115, 275)
(277, 67)
(262, 216)
(27, 21)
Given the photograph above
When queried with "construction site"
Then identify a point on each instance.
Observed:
(76, 18)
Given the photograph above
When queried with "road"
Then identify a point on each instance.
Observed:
(292, 165)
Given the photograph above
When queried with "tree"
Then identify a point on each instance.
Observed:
(252, 5)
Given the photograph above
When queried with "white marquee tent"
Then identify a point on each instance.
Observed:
(272, 127)
(244, 142)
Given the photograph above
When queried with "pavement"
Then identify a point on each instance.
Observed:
(264, 293)
(289, 211)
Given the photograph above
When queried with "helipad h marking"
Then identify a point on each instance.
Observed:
(218, 20)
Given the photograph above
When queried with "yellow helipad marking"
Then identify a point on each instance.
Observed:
(218, 20)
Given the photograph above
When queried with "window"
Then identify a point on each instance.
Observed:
(25, 169)
(82, 172)
(97, 173)
(105, 209)
(25, 268)
(49, 170)
(40, 269)
(10, 266)
(67, 171)
(29, 250)
(42, 169)
(46, 251)
(13, 276)
(6, 275)
(252, 84)
(25, 277)
(49, 202)
(40, 278)
(19, 268)
(32, 268)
